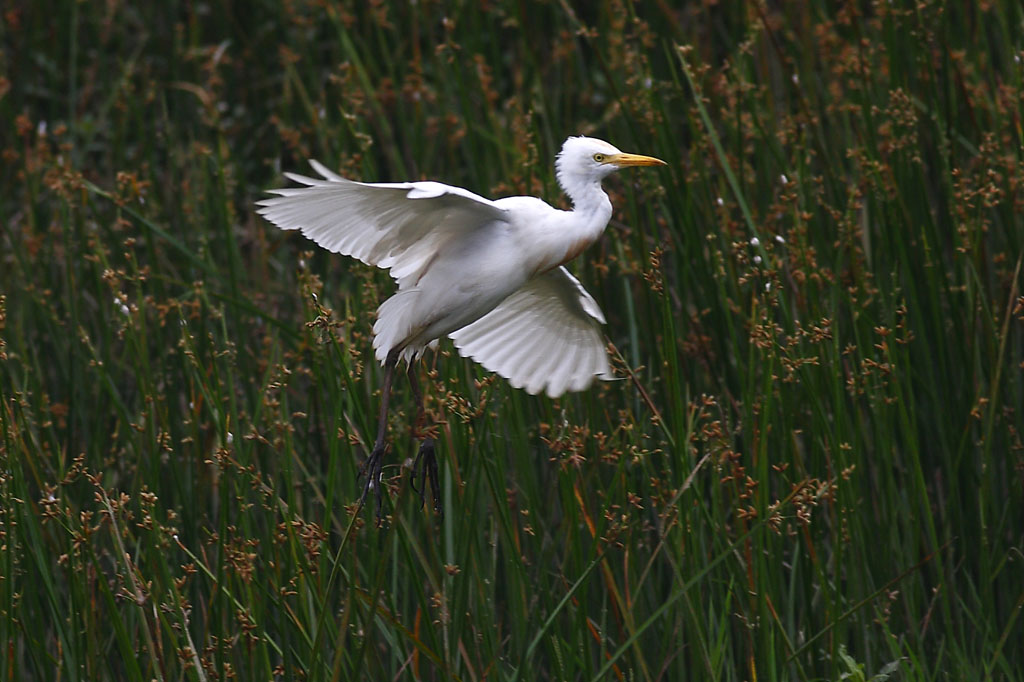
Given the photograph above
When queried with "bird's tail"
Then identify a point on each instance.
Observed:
(394, 327)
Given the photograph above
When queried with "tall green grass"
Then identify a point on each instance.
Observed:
(811, 468)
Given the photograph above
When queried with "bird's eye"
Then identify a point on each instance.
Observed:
(599, 158)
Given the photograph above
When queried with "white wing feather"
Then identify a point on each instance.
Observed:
(545, 336)
(396, 226)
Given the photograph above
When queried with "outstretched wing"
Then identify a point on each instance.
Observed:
(396, 226)
(545, 336)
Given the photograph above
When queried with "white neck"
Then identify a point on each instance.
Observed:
(591, 212)
(589, 201)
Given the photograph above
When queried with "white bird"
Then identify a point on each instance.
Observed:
(487, 274)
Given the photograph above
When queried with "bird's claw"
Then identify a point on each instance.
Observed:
(425, 467)
(372, 468)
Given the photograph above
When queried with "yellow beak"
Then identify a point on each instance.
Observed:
(623, 160)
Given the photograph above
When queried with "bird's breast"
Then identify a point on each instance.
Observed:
(575, 248)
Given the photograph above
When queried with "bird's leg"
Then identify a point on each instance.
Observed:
(425, 465)
(374, 463)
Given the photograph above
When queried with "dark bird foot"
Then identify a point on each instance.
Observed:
(425, 468)
(372, 468)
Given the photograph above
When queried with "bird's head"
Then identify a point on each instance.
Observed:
(587, 160)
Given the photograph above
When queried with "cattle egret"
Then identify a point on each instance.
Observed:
(488, 274)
